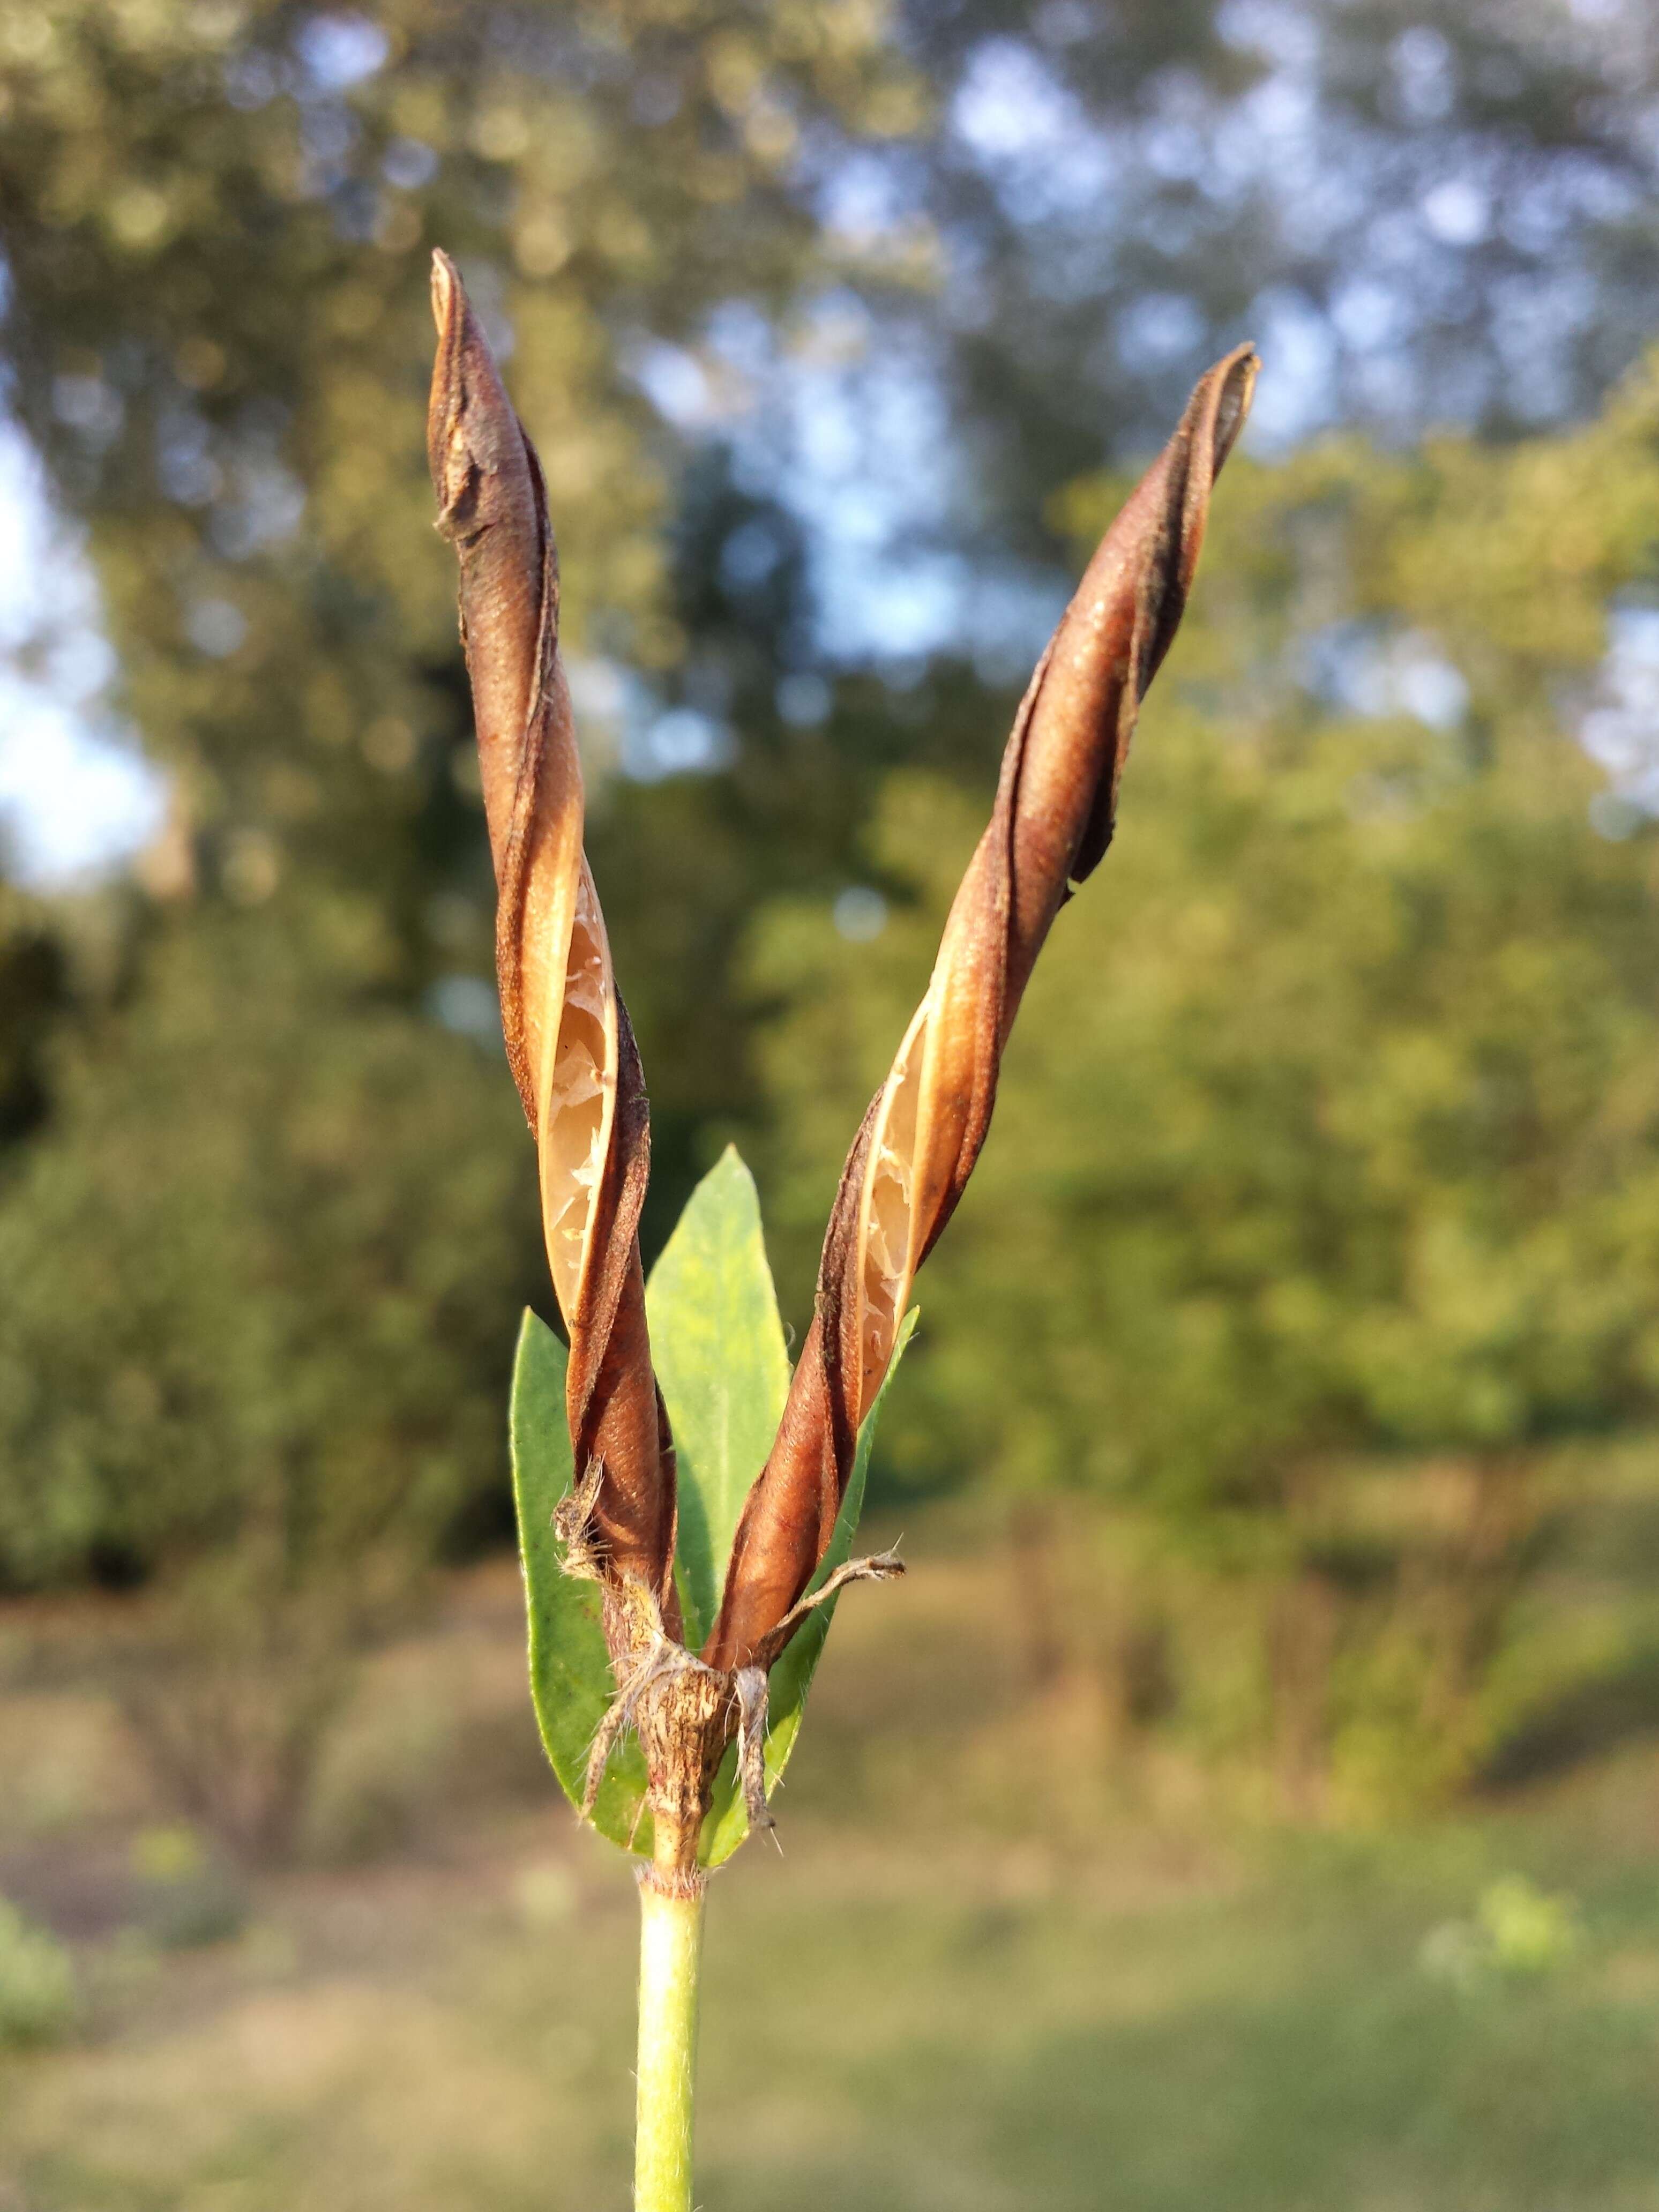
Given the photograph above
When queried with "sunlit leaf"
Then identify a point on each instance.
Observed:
(570, 1679)
(717, 1344)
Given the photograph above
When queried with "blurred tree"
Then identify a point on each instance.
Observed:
(33, 990)
(216, 223)
(1423, 210)
(262, 1257)
(255, 1271)
(1333, 1122)
(1055, 211)
(215, 226)
(252, 1264)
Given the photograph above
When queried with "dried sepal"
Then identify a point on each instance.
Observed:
(1052, 819)
(568, 1036)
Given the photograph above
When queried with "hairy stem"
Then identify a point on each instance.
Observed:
(670, 1952)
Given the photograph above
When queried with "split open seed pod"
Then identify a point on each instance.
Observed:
(670, 1749)
(568, 1041)
(1056, 809)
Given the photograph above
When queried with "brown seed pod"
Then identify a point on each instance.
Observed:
(1055, 806)
(568, 1036)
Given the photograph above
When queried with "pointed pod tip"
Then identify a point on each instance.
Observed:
(469, 416)
(447, 289)
(1232, 381)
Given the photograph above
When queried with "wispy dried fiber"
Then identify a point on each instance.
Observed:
(1055, 806)
(567, 1035)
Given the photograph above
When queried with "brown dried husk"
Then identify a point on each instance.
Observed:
(1055, 806)
(568, 1036)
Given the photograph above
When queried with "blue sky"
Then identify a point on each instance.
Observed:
(75, 793)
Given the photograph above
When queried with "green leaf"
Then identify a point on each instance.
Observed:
(728, 1823)
(570, 1679)
(718, 1346)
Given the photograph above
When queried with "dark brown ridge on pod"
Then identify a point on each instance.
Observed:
(568, 1036)
(1055, 808)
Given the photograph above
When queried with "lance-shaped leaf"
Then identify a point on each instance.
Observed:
(724, 1368)
(1055, 806)
(568, 1036)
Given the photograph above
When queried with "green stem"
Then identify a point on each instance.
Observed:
(671, 1952)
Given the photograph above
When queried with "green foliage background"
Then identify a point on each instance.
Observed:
(1313, 1260)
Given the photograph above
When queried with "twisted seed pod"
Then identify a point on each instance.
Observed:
(1055, 804)
(568, 1036)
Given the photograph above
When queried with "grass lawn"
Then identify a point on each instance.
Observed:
(956, 2010)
